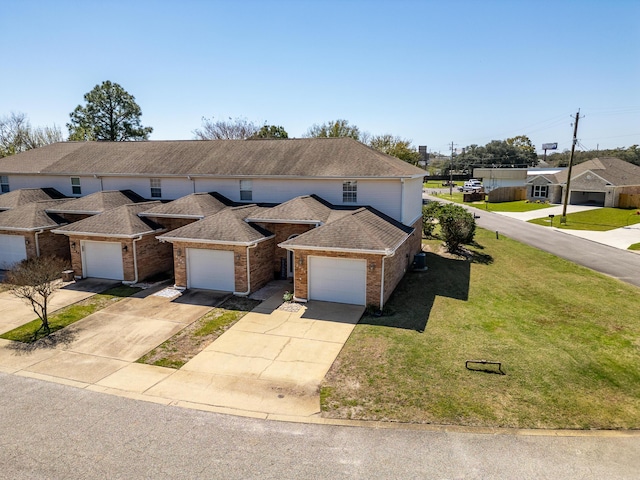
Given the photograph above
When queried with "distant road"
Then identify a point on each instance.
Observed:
(621, 264)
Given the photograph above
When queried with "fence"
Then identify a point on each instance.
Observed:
(629, 200)
(507, 194)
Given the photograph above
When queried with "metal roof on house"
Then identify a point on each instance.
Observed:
(32, 216)
(306, 157)
(366, 229)
(227, 227)
(121, 221)
(195, 205)
(27, 195)
(99, 202)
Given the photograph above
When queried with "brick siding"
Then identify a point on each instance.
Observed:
(50, 244)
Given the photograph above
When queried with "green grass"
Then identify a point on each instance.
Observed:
(187, 343)
(70, 314)
(601, 219)
(517, 206)
(568, 339)
(438, 184)
(635, 246)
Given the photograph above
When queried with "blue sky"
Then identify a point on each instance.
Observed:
(430, 71)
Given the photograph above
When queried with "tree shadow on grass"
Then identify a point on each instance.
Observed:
(61, 338)
(410, 304)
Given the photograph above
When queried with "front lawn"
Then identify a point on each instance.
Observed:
(635, 246)
(517, 206)
(568, 339)
(600, 219)
(71, 314)
(190, 341)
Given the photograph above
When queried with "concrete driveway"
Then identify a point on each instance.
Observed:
(102, 343)
(270, 363)
(14, 312)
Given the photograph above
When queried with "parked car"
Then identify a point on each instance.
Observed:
(472, 185)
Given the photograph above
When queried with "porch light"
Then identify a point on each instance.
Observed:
(125, 248)
(300, 261)
(372, 266)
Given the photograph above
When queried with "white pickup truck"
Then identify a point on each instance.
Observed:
(472, 185)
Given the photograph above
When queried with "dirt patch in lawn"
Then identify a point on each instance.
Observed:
(190, 341)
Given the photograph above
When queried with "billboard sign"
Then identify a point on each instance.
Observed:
(549, 146)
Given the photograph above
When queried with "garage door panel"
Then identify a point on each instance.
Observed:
(103, 260)
(338, 280)
(12, 250)
(210, 269)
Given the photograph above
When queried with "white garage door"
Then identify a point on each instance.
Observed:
(338, 280)
(210, 269)
(12, 250)
(102, 260)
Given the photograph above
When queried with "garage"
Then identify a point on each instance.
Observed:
(341, 280)
(210, 269)
(12, 250)
(102, 260)
(587, 198)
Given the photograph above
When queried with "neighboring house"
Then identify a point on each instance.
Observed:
(493, 178)
(26, 232)
(279, 206)
(599, 181)
(117, 244)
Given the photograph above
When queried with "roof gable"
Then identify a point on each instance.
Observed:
(121, 221)
(304, 209)
(27, 195)
(32, 216)
(195, 205)
(99, 202)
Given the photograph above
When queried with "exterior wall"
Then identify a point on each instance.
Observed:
(412, 200)
(541, 181)
(62, 183)
(260, 259)
(172, 223)
(153, 257)
(171, 188)
(493, 178)
(396, 267)
(283, 231)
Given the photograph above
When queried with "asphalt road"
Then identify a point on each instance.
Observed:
(51, 431)
(621, 264)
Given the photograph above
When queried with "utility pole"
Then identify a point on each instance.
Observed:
(563, 219)
(451, 173)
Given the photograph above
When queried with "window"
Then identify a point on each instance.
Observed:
(350, 192)
(246, 189)
(156, 187)
(540, 190)
(75, 186)
(4, 184)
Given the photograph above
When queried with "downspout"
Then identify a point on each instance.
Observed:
(37, 242)
(401, 203)
(243, 294)
(135, 262)
(382, 281)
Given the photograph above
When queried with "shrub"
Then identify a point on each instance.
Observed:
(429, 216)
(457, 225)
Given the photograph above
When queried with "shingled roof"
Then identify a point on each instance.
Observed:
(32, 216)
(366, 229)
(226, 227)
(615, 171)
(122, 222)
(27, 195)
(306, 157)
(99, 202)
(303, 209)
(195, 205)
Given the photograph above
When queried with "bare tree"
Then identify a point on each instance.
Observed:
(34, 281)
(17, 135)
(231, 129)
